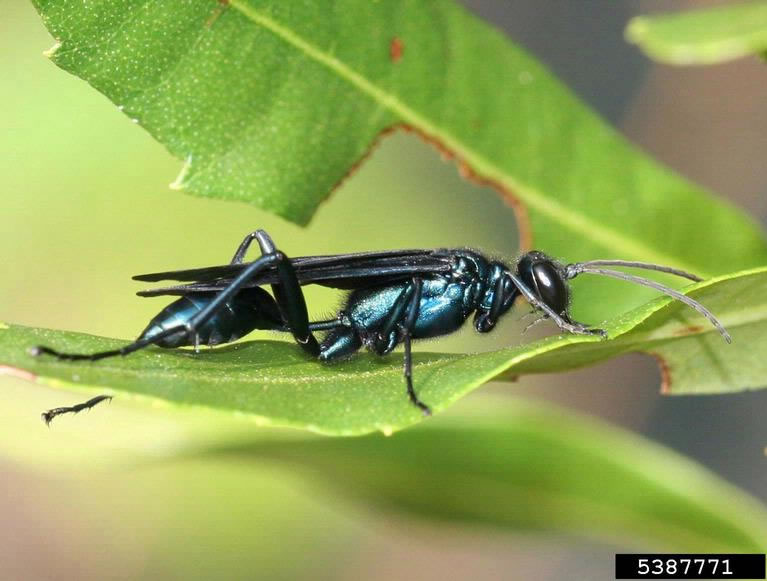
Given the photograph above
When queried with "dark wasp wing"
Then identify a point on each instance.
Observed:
(300, 262)
(341, 271)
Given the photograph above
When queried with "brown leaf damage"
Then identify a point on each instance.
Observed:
(17, 373)
(396, 48)
(217, 11)
(665, 373)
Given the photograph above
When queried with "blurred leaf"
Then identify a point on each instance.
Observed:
(277, 385)
(534, 467)
(274, 103)
(701, 37)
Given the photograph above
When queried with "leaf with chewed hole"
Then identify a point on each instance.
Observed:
(274, 103)
(276, 384)
(705, 36)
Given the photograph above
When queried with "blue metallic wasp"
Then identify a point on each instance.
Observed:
(396, 296)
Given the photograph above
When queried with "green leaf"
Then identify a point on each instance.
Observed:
(274, 102)
(274, 383)
(701, 37)
(693, 357)
(533, 467)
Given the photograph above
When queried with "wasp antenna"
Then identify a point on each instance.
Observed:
(661, 288)
(577, 267)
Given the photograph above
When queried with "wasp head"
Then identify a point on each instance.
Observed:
(547, 279)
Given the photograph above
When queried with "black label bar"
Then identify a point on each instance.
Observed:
(692, 566)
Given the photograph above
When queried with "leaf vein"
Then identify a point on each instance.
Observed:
(575, 221)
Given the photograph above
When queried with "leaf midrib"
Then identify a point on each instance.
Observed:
(575, 221)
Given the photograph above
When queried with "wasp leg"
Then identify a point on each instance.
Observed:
(385, 339)
(562, 323)
(407, 330)
(75, 409)
(486, 322)
(239, 256)
(403, 315)
(129, 348)
(530, 313)
(289, 296)
(316, 326)
(327, 325)
(533, 323)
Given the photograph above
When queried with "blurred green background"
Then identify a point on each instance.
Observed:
(85, 205)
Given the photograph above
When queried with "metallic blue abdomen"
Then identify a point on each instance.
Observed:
(248, 310)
